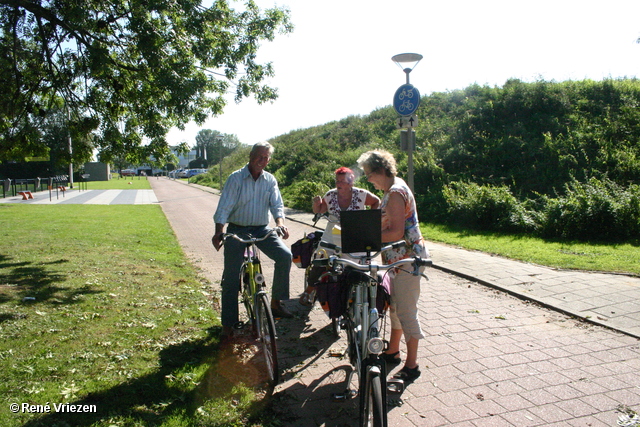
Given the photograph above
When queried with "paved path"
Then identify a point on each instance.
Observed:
(490, 358)
(87, 197)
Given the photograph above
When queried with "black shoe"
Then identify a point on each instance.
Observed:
(281, 312)
(391, 358)
(408, 374)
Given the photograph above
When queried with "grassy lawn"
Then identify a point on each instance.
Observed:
(622, 258)
(100, 307)
(125, 183)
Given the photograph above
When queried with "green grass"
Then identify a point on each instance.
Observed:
(99, 306)
(620, 258)
(125, 183)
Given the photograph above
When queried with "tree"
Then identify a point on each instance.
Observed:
(214, 146)
(127, 71)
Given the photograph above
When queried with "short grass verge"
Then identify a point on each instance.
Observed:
(124, 183)
(606, 257)
(100, 310)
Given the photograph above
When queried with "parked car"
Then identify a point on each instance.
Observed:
(127, 172)
(174, 173)
(194, 172)
(182, 174)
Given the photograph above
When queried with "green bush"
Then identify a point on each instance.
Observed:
(299, 194)
(595, 210)
(486, 207)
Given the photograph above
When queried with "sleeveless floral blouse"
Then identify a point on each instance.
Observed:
(412, 235)
(358, 197)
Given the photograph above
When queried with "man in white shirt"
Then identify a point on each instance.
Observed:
(249, 195)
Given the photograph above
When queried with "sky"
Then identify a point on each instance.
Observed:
(337, 61)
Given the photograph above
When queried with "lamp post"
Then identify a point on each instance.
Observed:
(220, 138)
(405, 104)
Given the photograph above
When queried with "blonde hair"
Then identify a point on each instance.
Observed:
(378, 161)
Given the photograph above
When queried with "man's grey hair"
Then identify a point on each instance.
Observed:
(263, 144)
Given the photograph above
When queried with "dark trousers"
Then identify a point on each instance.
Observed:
(273, 247)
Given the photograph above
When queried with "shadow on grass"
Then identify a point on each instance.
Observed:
(152, 399)
(155, 399)
(28, 282)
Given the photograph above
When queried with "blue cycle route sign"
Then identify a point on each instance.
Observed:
(406, 100)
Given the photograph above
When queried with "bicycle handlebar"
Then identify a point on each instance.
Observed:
(394, 245)
(276, 230)
(334, 260)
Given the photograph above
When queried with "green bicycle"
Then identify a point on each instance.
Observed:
(254, 297)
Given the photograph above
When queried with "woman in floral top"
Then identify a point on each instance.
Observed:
(345, 197)
(399, 222)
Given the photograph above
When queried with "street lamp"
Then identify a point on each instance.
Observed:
(405, 102)
(407, 58)
(220, 138)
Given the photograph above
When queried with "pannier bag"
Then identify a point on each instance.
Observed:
(302, 250)
(333, 294)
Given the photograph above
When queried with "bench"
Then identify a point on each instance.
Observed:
(25, 195)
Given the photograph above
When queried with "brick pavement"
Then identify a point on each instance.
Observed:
(489, 358)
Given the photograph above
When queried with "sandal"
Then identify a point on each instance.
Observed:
(408, 374)
(391, 358)
(307, 299)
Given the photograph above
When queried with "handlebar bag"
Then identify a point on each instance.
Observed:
(302, 250)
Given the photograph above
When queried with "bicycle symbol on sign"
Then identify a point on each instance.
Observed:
(406, 100)
(405, 92)
(406, 105)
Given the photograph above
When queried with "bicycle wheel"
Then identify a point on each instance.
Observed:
(267, 336)
(372, 410)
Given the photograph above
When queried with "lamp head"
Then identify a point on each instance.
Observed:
(411, 59)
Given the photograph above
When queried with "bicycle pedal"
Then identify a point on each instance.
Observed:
(394, 403)
(238, 325)
(343, 397)
(395, 385)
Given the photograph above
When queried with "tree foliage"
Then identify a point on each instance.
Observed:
(126, 71)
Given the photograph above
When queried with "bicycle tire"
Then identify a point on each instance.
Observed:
(266, 329)
(372, 409)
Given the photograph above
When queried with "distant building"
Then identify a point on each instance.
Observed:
(183, 161)
(97, 171)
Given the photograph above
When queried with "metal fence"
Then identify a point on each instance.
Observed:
(11, 187)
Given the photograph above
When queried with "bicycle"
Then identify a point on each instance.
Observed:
(253, 295)
(361, 321)
(322, 250)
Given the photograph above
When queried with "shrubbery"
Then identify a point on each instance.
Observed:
(486, 207)
(298, 195)
(596, 210)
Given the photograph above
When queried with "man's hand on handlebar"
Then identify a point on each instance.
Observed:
(216, 240)
(284, 231)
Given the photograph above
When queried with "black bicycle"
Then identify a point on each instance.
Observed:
(357, 285)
